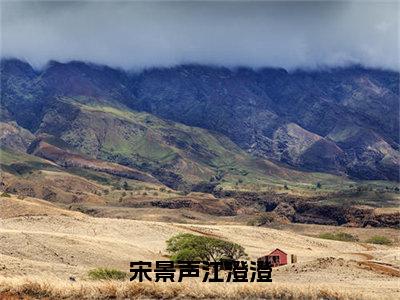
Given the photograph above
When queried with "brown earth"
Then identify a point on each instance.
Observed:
(60, 245)
(65, 158)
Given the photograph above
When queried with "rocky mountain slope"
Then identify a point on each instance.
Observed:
(337, 121)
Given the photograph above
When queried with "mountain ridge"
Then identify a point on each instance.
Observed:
(346, 119)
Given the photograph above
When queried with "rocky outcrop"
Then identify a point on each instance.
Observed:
(315, 210)
(203, 204)
(316, 213)
(285, 210)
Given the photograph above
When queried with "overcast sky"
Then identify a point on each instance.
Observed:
(255, 34)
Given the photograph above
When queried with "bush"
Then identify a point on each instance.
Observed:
(5, 194)
(107, 274)
(188, 246)
(338, 236)
(126, 186)
(380, 240)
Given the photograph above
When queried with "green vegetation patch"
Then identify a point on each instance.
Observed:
(19, 163)
(107, 274)
(338, 236)
(379, 240)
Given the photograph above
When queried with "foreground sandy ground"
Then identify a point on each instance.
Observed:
(48, 245)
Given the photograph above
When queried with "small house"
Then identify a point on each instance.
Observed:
(275, 258)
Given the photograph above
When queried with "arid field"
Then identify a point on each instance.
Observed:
(42, 247)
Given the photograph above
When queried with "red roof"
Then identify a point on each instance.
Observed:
(277, 249)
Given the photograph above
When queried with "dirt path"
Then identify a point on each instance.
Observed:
(366, 256)
(367, 263)
(380, 268)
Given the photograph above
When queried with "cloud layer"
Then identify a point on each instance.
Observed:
(255, 34)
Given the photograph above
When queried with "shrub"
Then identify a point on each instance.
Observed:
(125, 186)
(188, 246)
(5, 194)
(107, 274)
(380, 240)
(338, 236)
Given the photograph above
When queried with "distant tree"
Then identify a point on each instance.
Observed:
(188, 246)
(125, 186)
(318, 185)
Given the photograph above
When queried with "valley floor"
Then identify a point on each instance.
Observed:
(49, 245)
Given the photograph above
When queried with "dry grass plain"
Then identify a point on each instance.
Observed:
(41, 246)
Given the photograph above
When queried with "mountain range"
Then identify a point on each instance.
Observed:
(192, 124)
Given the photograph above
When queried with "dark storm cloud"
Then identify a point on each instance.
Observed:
(138, 34)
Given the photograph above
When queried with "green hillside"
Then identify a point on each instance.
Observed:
(179, 155)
